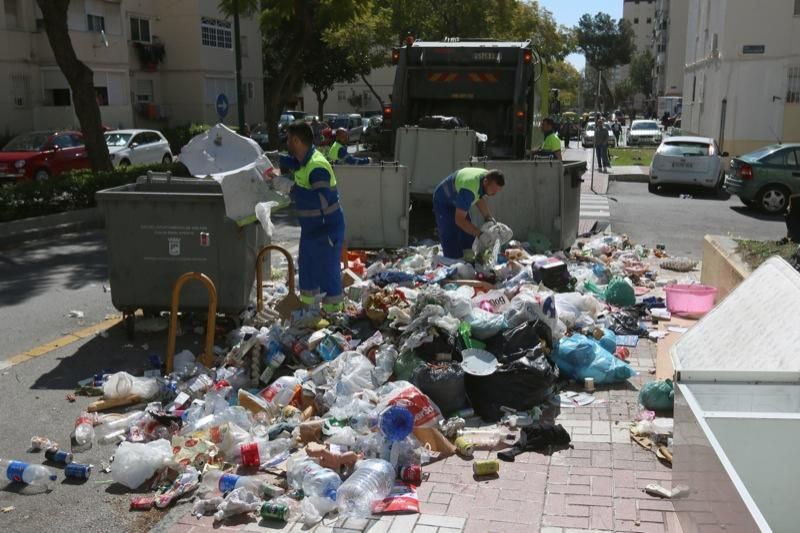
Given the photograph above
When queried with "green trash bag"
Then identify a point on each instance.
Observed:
(657, 395)
(619, 293)
(405, 365)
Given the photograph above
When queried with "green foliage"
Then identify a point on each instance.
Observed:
(180, 135)
(606, 43)
(71, 191)
(566, 78)
(641, 73)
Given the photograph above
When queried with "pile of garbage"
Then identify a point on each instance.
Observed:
(294, 417)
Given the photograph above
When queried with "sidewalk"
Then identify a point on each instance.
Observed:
(597, 485)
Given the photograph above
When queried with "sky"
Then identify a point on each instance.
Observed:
(567, 13)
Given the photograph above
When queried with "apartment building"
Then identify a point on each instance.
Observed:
(669, 46)
(641, 15)
(742, 72)
(355, 97)
(156, 64)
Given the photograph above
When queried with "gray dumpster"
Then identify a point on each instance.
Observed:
(161, 228)
(541, 197)
(432, 154)
(375, 201)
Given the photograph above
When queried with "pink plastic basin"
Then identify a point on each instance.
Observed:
(690, 299)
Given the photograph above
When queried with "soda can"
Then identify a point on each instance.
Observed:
(205, 239)
(464, 447)
(58, 456)
(142, 503)
(78, 471)
(275, 511)
(411, 474)
(486, 468)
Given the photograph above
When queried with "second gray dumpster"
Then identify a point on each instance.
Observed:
(161, 228)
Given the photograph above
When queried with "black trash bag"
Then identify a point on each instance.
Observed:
(441, 122)
(444, 384)
(626, 322)
(521, 384)
(442, 343)
(538, 437)
(511, 344)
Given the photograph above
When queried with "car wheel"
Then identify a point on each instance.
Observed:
(773, 199)
(167, 159)
(652, 188)
(124, 163)
(41, 176)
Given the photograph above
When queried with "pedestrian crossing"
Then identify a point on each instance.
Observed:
(594, 207)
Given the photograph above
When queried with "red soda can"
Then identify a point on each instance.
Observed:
(411, 474)
(205, 239)
(142, 503)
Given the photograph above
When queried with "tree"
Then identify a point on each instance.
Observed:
(605, 43)
(323, 67)
(567, 79)
(81, 81)
(641, 73)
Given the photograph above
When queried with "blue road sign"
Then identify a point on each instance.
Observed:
(222, 106)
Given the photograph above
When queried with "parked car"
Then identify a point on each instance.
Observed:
(587, 137)
(766, 177)
(329, 117)
(644, 132)
(41, 155)
(353, 123)
(260, 135)
(137, 147)
(687, 161)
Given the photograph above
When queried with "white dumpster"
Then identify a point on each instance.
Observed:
(376, 202)
(737, 409)
(432, 154)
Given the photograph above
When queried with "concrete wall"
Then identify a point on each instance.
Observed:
(722, 267)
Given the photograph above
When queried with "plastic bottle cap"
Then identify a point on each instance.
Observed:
(331, 494)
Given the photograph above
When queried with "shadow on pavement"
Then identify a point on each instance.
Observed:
(697, 192)
(755, 213)
(70, 262)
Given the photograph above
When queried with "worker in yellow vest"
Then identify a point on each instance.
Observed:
(452, 200)
(338, 151)
(316, 200)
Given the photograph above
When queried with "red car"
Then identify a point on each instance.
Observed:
(41, 155)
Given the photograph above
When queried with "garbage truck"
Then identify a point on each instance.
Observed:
(466, 102)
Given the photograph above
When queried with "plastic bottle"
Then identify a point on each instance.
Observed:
(274, 361)
(322, 482)
(482, 438)
(396, 423)
(110, 431)
(281, 390)
(37, 475)
(84, 428)
(296, 471)
(260, 451)
(219, 481)
(372, 480)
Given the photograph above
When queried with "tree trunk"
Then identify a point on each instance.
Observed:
(80, 79)
(372, 90)
(322, 97)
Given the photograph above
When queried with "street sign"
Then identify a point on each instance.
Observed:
(222, 106)
(753, 49)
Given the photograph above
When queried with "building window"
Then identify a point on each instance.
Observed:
(140, 30)
(11, 9)
(793, 92)
(694, 89)
(144, 91)
(101, 93)
(341, 95)
(636, 20)
(57, 97)
(216, 33)
(797, 8)
(649, 20)
(21, 87)
(95, 23)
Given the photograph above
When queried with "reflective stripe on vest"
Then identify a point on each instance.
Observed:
(470, 179)
(302, 178)
(333, 152)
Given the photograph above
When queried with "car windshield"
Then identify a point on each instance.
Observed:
(645, 126)
(684, 148)
(117, 139)
(29, 142)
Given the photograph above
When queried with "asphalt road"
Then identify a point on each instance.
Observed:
(681, 223)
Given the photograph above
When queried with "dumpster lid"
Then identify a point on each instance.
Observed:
(751, 336)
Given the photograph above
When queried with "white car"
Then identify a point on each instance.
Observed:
(137, 147)
(587, 137)
(687, 161)
(643, 132)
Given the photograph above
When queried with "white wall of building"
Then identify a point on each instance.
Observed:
(641, 14)
(340, 97)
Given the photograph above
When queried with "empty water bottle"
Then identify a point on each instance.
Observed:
(372, 480)
(84, 428)
(296, 471)
(322, 482)
(36, 475)
(217, 480)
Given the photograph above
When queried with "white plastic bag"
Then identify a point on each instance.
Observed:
(183, 363)
(354, 374)
(239, 501)
(122, 384)
(263, 214)
(135, 463)
(485, 324)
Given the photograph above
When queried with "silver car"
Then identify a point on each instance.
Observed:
(643, 132)
(587, 137)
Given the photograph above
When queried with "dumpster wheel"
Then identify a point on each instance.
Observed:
(129, 321)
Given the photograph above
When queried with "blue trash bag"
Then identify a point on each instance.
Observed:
(579, 357)
(609, 341)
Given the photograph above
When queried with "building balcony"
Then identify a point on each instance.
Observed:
(150, 55)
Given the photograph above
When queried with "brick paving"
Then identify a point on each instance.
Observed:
(596, 485)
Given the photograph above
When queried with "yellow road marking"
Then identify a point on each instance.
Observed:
(60, 342)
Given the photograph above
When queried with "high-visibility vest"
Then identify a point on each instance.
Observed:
(470, 178)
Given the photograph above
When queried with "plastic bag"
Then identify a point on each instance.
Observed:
(443, 383)
(354, 375)
(579, 357)
(123, 384)
(531, 306)
(485, 324)
(619, 293)
(608, 341)
(263, 214)
(657, 395)
(514, 343)
(459, 305)
(492, 232)
(184, 363)
(135, 463)
(405, 364)
(426, 413)
(238, 501)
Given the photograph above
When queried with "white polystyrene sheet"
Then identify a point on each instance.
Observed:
(751, 336)
(238, 164)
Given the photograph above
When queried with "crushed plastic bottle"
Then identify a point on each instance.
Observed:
(372, 480)
(219, 481)
(260, 451)
(281, 390)
(35, 475)
(112, 430)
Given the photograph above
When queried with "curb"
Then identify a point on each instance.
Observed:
(630, 178)
(27, 229)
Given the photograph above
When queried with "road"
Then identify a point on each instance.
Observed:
(40, 282)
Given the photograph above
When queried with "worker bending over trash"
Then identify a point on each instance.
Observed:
(452, 200)
(338, 150)
(321, 219)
